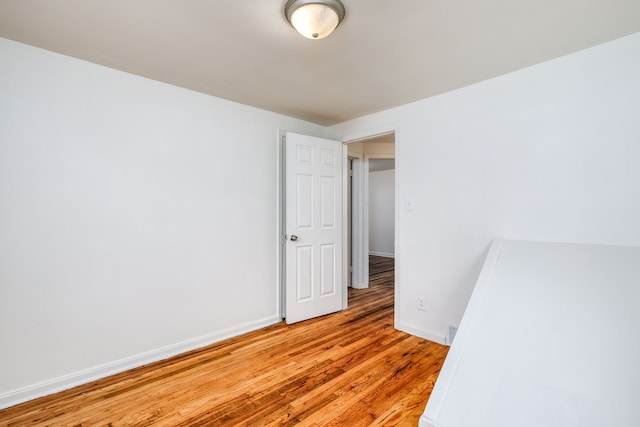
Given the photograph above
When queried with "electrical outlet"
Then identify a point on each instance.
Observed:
(421, 304)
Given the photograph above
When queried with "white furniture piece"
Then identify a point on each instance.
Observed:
(550, 338)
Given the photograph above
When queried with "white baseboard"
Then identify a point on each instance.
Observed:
(65, 382)
(382, 254)
(360, 285)
(437, 338)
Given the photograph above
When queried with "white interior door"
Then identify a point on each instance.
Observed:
(313, 223)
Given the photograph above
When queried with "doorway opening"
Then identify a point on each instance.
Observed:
(371, 205)
(363, 159)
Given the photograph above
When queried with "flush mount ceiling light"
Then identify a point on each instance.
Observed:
(314, 19)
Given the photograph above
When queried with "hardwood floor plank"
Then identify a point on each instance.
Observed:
(346, 369)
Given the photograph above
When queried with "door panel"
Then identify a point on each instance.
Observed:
(304, 276)
(327, 265)
(304, 203)
(313, 181)
(327, 205)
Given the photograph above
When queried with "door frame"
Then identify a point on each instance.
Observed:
(360, 244)
(281, 226)
(364, 251)
(280, 223)
(359, 279)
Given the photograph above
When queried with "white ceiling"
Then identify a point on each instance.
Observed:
(386, 53)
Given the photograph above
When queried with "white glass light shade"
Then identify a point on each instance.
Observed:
(314, 19)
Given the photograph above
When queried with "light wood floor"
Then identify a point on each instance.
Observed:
(346, 369)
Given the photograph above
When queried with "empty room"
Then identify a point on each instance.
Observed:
(187, 190)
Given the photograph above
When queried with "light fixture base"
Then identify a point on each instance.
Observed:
(314, 19)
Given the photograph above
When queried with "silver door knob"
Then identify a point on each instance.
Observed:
(293, 237)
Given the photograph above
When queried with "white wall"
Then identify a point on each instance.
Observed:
(381, 212)
(137, 220)
(550, 152)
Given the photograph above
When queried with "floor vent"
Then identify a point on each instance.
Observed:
(451, 334)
